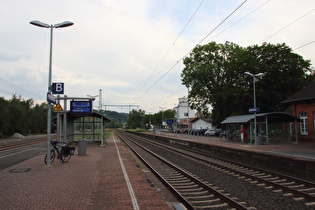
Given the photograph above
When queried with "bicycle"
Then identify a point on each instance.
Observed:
(64, 154)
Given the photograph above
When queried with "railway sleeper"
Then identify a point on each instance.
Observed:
(288, 183)
(185, 184)
(272, 178)
(310, 204)
(206, 201)
(307, 189)
(296, 186)
(188, 189)
(181, 181)
(194, 194)
(259, 174)
(279, 180)
(266, 176)
(175, 178)
(254, 173)
(207, 196)
(213, 206)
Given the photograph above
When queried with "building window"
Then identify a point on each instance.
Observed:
(303, 124)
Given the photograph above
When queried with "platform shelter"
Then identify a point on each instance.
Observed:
(84, 126)
(271, 127)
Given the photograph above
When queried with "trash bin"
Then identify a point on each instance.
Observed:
(258, 139)
(82, 147)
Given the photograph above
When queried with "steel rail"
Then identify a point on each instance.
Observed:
(220, 195)
(277, 185)
(20, 144)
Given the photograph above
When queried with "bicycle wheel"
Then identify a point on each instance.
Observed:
(65, 157)
(52, 156)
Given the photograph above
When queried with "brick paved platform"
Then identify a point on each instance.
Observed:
(93, 181)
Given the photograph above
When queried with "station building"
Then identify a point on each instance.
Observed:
(295, 124)
(184, 114)
(302, 105)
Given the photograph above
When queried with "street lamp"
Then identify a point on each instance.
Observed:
(162, 115)
(45, 25)
(254, 75)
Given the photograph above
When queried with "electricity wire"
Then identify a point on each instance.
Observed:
(288, 25)
(16, 86)
(190, 51)
(240, 19)
(223, 21)
(304, 45)
(145, 82)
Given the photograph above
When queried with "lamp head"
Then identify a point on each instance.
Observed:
(259, 74)
(63, 24)
(45, 25)
(39, 24)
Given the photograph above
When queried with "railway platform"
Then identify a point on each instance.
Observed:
(105, 178)
(304, 151)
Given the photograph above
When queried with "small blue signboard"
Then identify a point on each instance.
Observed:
(253, 110)
(81, 107)
(51, 98)
(169, 121)
(58, 88)
(186, 114)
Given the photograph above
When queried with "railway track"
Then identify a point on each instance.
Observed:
(265, 178)
(17, 144)
(193, 192)
(299, 190)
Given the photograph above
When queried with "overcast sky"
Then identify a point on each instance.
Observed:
(133, 49)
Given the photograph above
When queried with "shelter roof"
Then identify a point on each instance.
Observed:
(93, 114)
(280, 116)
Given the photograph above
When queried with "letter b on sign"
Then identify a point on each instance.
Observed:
(58, 88)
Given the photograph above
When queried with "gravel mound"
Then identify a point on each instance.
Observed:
(17, 136)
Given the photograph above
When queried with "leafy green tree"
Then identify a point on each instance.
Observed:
(135, 119)
(39, 118)
(214, 75)
(20, 116)
(4, 116)
(156, 119)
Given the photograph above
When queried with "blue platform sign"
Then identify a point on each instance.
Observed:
(81, 107)
(253, 110)
(58, 88)
(169, 121)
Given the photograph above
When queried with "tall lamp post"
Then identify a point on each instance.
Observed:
(162, 116)
(255, 125)
(45, 25)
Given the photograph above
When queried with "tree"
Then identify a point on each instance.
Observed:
(135, 119)
(20, 116)
(214, 75)
(4, 116)
(156, 119)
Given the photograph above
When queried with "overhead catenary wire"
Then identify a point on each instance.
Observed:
(235, 23)
(190, 51)
(168, 50)
(240, 19)
(16, 92)
(288, 25)
(223, 21)
(304, 45)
